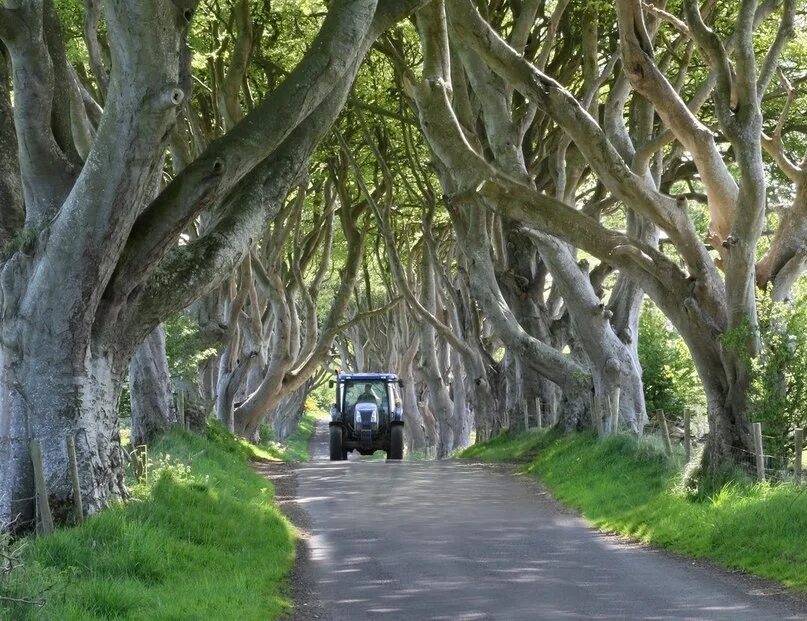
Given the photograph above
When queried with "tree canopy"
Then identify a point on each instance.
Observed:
(479, 196)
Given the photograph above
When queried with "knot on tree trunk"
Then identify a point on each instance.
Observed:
(612, 368)
(172, 97)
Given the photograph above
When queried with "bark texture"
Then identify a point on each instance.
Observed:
(150, 390)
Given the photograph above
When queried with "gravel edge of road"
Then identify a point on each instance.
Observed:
(301, 584)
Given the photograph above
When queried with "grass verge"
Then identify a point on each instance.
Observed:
(204, 540)
(295, 448)
(629, 487)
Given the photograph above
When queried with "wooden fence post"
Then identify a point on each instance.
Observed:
(71, 454)
(665, 433)
(760, 455)
(526, 417)
(45, 517)
(687, 435)
(538, 412)
(798, 438)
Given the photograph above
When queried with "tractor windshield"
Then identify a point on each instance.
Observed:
(367, 391)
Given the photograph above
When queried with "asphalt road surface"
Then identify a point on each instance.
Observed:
(456, 541)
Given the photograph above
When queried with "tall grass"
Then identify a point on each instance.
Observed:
(203, 540)
(629, 487)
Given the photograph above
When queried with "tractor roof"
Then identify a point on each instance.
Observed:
(389, 377)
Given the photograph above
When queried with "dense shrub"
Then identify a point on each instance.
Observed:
(778, 395)
(670, 380)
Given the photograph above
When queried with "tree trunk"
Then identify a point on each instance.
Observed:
(726, 379)
(150, 389)
(45, 398)
(288, 413)
(439, 400)
(461, 419)
(415, 425)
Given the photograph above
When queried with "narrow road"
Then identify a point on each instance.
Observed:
(454, 541)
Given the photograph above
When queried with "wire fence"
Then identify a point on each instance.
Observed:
(692, 430)
(771, 468)
(134, 462)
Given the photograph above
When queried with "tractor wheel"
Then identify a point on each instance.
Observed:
(396, 443)
(337, 454)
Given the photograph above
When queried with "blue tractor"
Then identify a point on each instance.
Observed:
(367, 415)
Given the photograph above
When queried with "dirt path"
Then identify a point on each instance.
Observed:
(450, 540)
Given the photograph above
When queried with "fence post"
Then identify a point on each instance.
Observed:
(665, 433)
(798, 438)
(71, 455)
(757, 427)
(538, 412)
(687, 435)
(526, 417)
(45, 517)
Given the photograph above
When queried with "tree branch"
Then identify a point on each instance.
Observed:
(637, 192)
(47, 174)
(784, 33)
(647, 79)
(343, 39)
(92, 15)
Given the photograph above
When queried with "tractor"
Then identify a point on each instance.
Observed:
(367, 415)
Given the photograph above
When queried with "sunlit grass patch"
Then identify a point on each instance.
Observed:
(201, 540)
(296, 446)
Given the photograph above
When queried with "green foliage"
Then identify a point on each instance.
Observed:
(737, 339)
(296, 446)
(125, 402)
(202, 540)
(670, 380)
(627, 486)
(322, 396)
(71, 15)
(184, 348)
(510, 446)
(778, 395)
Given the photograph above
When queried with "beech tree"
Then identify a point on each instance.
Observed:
(162, 164)
(710, 296)
(97, 262)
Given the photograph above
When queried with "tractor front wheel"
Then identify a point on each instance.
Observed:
(396, 443)
(337, 454)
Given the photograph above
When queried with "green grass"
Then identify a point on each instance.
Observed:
(203, 541)
(296, 446)
(629, 487)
